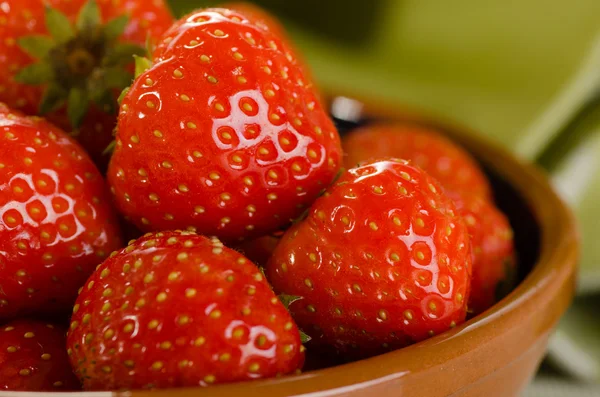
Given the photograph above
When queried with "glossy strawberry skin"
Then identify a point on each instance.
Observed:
(494, 256)
(177, 309)
(26, 17)
(223, 135)
(56, 221)
(452, 166)
(33, 358)
(382, 261)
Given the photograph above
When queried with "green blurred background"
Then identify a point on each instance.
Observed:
(525, 73)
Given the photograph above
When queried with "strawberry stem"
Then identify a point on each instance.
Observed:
(287, 300)
(79, 64)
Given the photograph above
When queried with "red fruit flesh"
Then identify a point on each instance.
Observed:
(493, 251)
(19, 18)
(224, 136)
(56, 223)
(177, 309)
(452, 166)
(382, 261)
(33, 358)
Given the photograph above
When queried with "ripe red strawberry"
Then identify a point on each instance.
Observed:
(382, 261)
(491, 234)
(259, 250)
(44, 60)
(33, 358)
(451, 165)
(56, 223)
(177, 309)
(493, 251)
(224, 135)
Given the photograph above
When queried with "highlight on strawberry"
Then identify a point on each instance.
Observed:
(56, 220)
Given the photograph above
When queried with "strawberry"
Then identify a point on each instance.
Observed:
(493, 251)
(177, 309)
(48, 63)
(224, 135)
(259, 250)
(56, 222)
(382, 260)
(451, 165)
(33, 358)
(457, 171)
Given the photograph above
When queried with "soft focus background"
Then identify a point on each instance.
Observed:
(525, 73)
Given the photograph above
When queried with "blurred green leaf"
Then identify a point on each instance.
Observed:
(575, 346)
(512, 72)
(58, 25)
(36, 46)
(77, 106)
(89, 16)
(552, 386)
(117, 78)
(36, 73)
(53, 98)
(115, 27)
(123, 54)
(573, 161)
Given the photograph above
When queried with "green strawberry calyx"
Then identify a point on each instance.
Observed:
(287, 300)
(304, 338)
(141, 65)
(80, 63)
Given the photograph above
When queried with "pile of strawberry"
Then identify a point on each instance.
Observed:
(222, 145)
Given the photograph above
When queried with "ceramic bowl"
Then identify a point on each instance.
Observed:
(494, 354)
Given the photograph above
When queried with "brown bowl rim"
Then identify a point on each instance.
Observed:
(552, 276)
